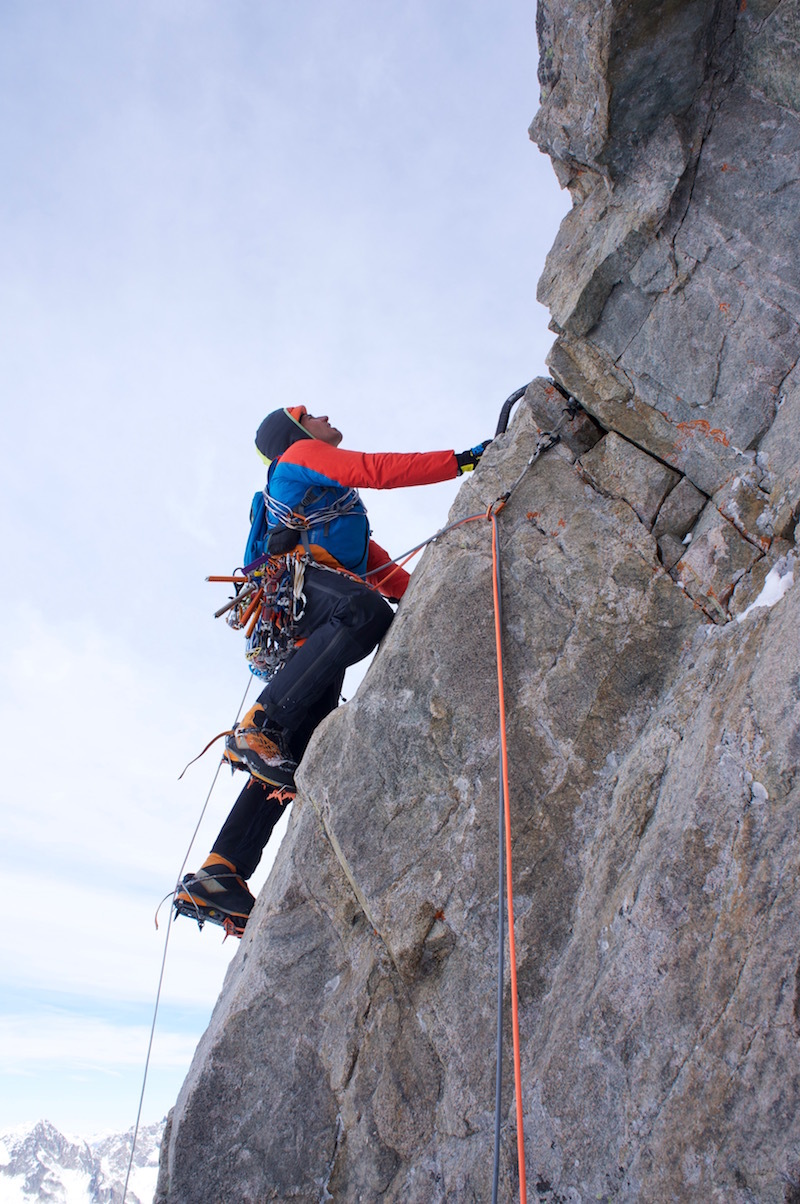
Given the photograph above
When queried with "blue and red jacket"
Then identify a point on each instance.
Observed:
(311, 477)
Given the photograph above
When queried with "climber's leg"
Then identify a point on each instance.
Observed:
(343, 622)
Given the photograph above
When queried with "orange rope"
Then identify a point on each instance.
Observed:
(229, 732)
(403, 560)
(399, 564)
(523, 1194)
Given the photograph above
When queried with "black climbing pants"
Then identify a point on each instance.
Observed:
(343, 622)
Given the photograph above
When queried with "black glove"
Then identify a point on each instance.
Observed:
(467, 460)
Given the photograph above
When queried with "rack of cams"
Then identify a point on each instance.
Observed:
(268, 602)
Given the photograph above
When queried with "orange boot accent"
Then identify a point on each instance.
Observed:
(215, 859)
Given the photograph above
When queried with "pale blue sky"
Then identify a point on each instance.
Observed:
(211, 209)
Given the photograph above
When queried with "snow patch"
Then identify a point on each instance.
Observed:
(780, 578)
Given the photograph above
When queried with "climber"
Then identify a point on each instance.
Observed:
(343, 621)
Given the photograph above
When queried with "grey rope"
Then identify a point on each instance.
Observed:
(164, 960)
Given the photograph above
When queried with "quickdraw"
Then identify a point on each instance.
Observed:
(269, 603)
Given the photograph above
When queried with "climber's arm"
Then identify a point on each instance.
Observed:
(392, 581)
(373, 470)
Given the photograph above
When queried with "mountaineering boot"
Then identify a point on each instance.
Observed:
(255, 745)
(217, 893)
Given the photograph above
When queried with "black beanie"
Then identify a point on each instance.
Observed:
(280, 430)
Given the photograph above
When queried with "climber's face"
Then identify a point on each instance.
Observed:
(320, 428)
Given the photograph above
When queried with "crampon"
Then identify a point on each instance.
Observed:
(202, 911)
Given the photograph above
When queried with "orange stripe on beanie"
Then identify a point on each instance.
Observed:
(279, 430)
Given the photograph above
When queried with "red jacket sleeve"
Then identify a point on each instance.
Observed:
(372, 470)
(392, 581)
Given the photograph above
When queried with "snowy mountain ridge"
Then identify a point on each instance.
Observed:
(39, 1163)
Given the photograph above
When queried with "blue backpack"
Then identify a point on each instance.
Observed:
(257, 539)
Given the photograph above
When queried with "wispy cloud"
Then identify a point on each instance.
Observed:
(85, 1043)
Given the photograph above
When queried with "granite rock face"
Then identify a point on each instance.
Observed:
(653, 712)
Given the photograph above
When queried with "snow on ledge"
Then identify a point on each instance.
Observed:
(780, 578)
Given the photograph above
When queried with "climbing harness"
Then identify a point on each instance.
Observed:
(270, 601)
